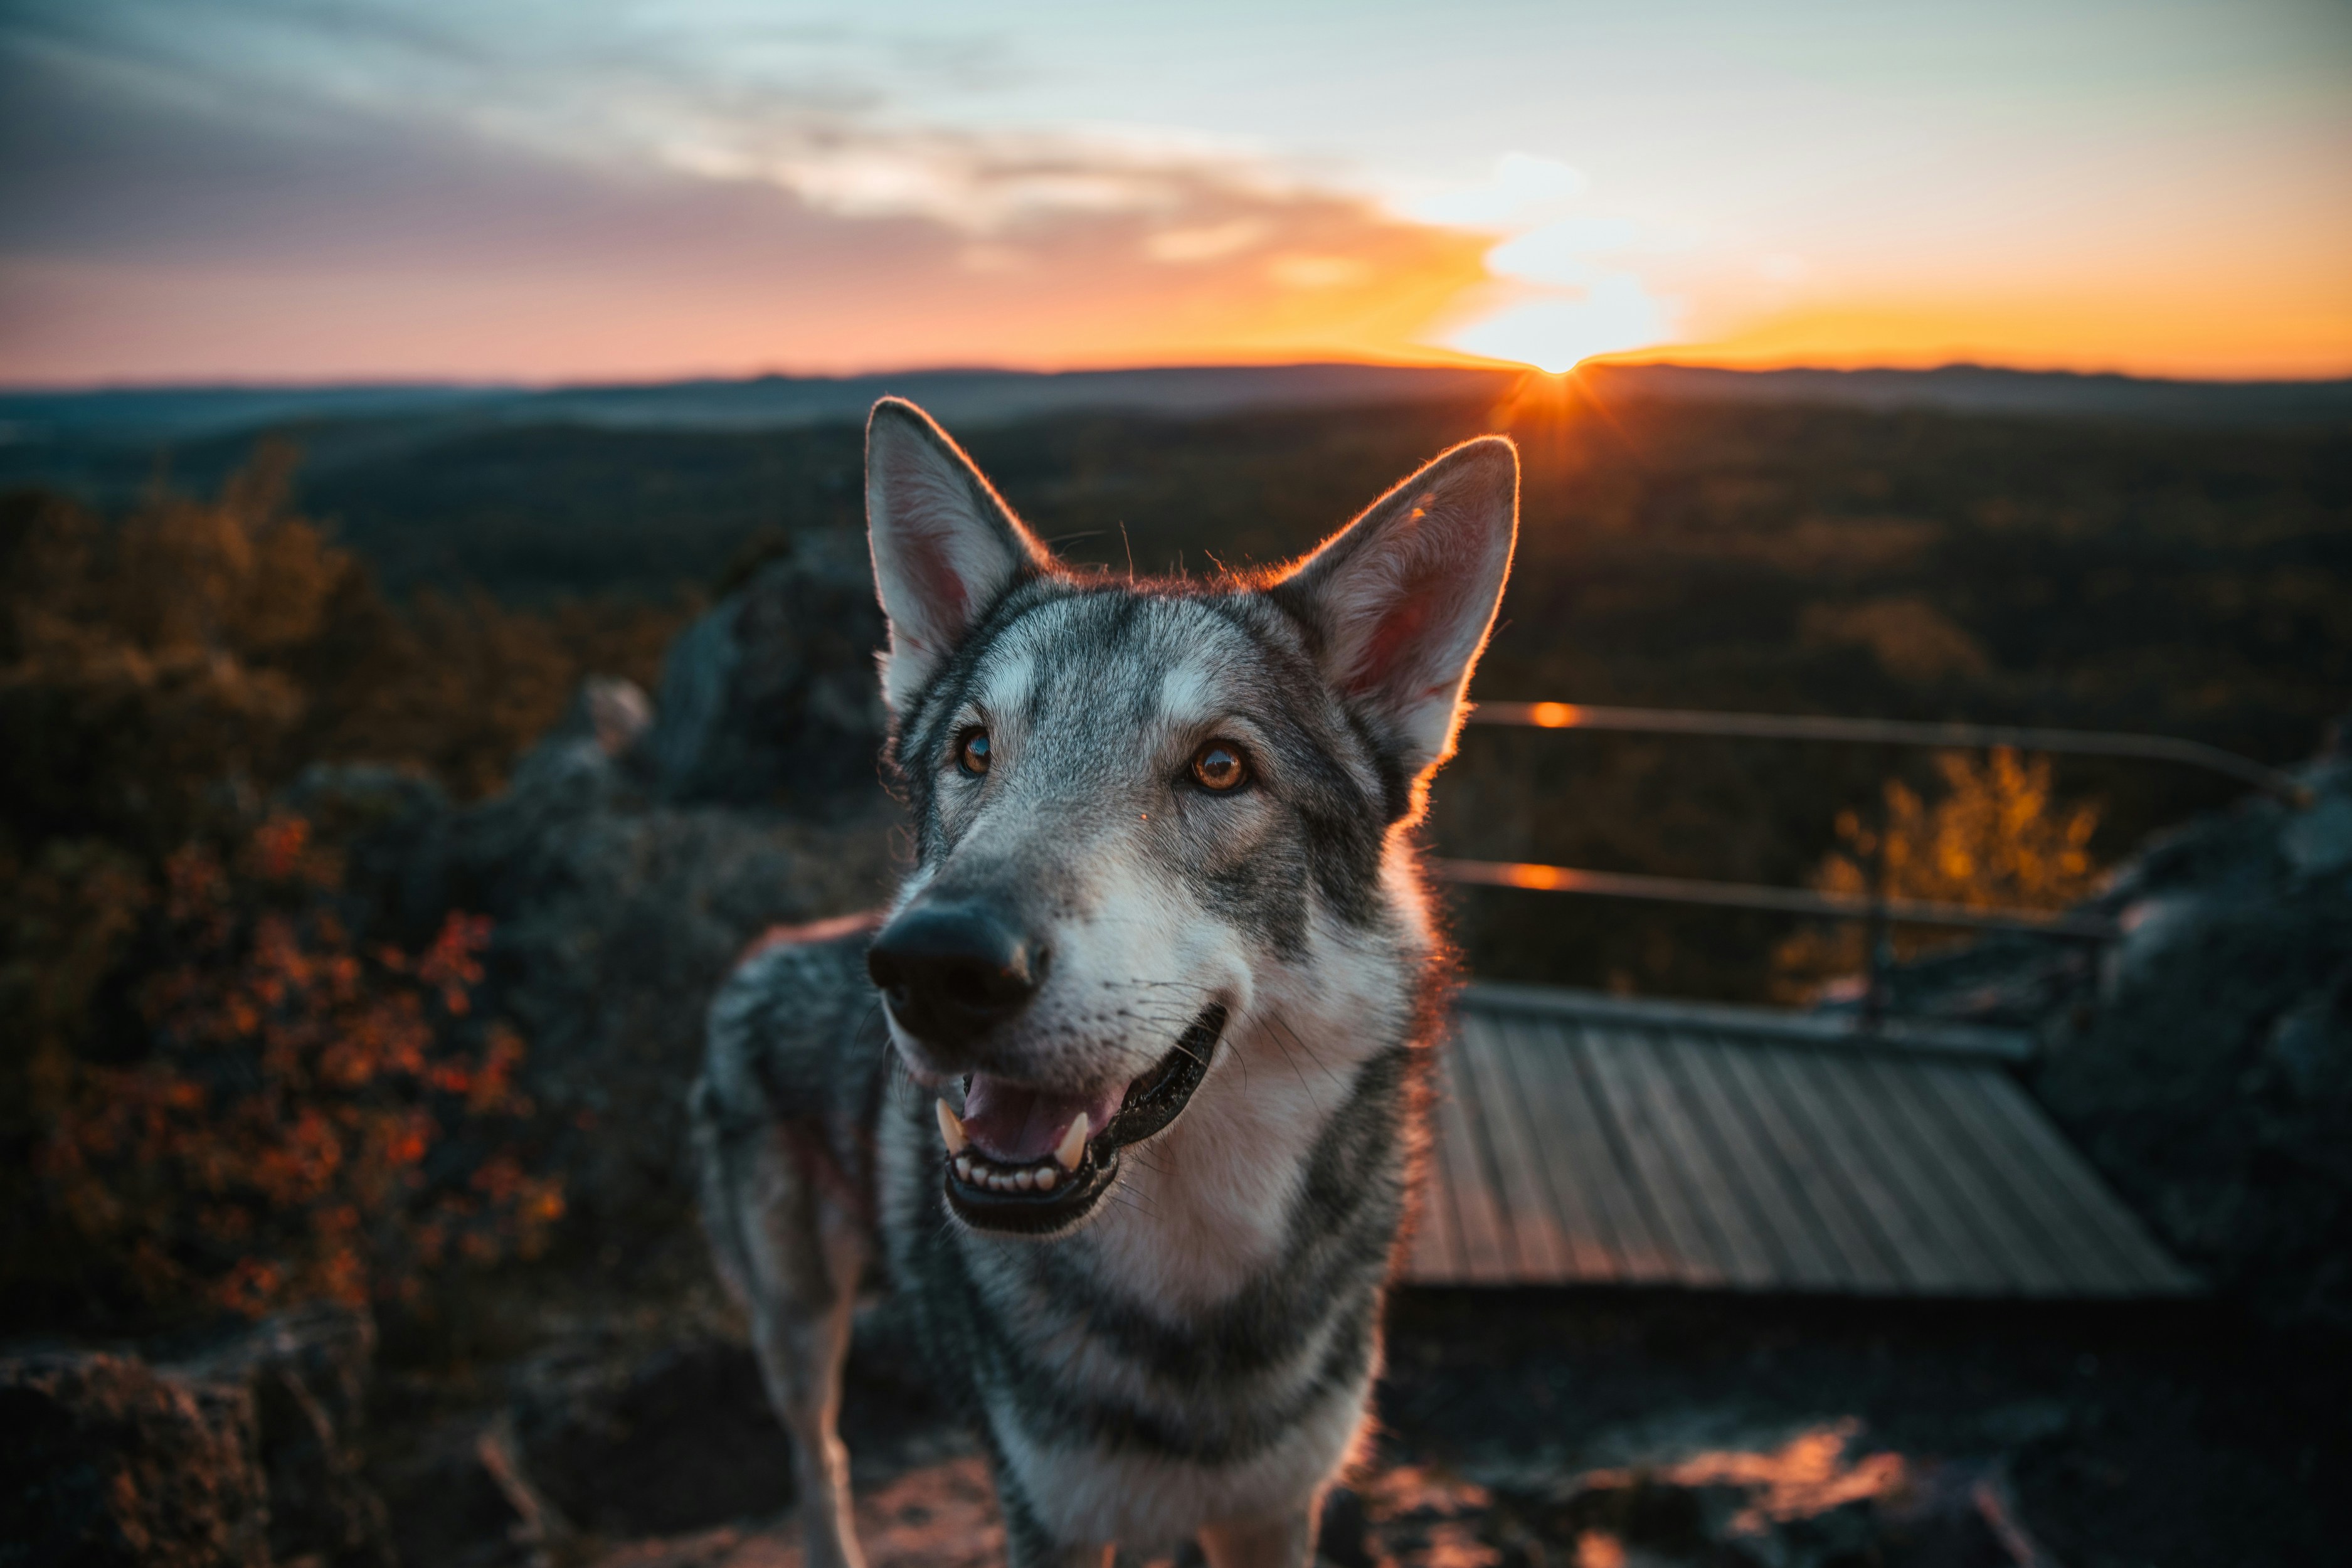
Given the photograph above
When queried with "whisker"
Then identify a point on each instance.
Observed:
(1275, 1034)
(1276, 1020)
(1135, 1201)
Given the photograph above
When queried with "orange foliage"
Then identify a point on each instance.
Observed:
(212, 1093)
(199, 652)
(1998, 837)
(318, 1116)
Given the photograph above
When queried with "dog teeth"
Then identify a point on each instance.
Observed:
(1044, 1176)
(974, 1171)
(950, 1128)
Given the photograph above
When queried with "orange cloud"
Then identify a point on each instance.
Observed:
(438, 190)
(457, 258)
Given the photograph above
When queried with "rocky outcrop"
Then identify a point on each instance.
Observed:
(242, 1454)
(683, 1436)
(772, 700)
(2204, 1064)
(104, 1460)
(304, 1376)
(597, 1440)
(637, 852)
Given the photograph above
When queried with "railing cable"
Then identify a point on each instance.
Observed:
(1896, 732)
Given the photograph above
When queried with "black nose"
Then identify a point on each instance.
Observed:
(951, 971)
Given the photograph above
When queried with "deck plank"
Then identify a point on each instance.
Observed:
(1989, 1145)
(1863, 1260)
(1537, 1234)
(1805, 1079)
(1487, 1254)
(1644, 1244)
(1909, 1171)
(1611, 1141)
(2005, 1237)
(1703, 1168)
(1803, 1258)
(2090, 1264)
(1600, 1220)
(2118, 1229)
(1616, 1060)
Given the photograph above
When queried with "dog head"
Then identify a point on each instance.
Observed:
(1144, 813)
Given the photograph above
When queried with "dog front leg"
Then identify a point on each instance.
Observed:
(802, 1340)
(1287, 1542)
(794, 1260)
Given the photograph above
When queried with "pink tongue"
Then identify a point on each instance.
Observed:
(1016, 1125)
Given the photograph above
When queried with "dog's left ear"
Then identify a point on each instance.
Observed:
(946, 547)
(1403, 596)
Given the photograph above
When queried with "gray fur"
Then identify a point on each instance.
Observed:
(1194, 1356)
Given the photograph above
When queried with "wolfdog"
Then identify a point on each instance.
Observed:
(1125, 1087)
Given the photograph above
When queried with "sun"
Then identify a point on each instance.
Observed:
(1555, 333)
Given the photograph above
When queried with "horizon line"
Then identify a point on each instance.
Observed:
(524, 385)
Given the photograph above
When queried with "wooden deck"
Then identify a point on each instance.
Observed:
(1590, 1140)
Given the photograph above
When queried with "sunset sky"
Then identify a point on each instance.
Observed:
(560, 190)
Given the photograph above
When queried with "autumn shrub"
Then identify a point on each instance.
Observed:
(216, 1089)
(1997, 836)
(311, 1114)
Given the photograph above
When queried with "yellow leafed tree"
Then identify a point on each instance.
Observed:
(1997, 836)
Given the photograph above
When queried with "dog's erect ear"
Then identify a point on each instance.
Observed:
(1404, 596)
(946, 546)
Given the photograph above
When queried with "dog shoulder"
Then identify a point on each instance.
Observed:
(785, 1021)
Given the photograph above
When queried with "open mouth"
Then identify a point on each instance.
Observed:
(1028, 1161)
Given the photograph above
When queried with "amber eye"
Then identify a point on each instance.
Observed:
(971, 751)
(1219, 766)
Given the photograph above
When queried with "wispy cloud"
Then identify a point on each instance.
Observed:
(360, 187)
(597, 187)
(835, 115)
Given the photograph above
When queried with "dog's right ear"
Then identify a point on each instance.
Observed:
(1403, 598)
(946, 547)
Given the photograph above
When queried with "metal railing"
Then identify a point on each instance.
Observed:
(1879, 908)
(1780, 900)
(1893, 731)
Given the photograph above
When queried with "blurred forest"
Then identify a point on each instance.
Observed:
(2166, 577)
(216, 1091)
(182, 634)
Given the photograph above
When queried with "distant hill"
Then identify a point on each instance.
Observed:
(973, 398)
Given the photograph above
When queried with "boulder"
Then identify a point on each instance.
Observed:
(637, 852)
(305, 1376)
(772, 699)
(678, 1435)
(2204, 1062)
(681, 1438)
(106, 1461)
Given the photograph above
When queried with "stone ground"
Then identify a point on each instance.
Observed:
(1548, 1429)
